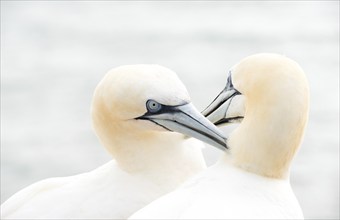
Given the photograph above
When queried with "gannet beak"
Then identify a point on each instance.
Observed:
(228, 107)
(188, 120)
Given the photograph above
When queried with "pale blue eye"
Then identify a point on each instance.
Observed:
(153, 106)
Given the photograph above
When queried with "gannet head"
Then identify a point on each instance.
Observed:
(269, 93)
(140, 102)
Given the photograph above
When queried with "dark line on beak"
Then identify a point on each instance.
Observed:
(198, 122)
(198, 131)
(228, 120)
(223, 143)
(148, 119)
(221, 103)
(211, 104)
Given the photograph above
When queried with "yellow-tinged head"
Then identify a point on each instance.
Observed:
(125, 89)
(270, 93)
(135, 104)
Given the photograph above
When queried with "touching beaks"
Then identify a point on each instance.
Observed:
(228, 107)
(185, 119)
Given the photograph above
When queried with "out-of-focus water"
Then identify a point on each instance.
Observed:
(53, 54)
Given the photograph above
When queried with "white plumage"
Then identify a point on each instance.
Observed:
(106, 192)
(226, 192)
(251, 180)
(148, 160)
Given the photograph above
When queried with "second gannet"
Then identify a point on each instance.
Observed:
(134, 107)
(251, 181)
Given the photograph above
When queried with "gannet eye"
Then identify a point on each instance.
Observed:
(153, 106)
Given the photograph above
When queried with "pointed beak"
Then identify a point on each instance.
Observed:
(188, 120)
(228, 107)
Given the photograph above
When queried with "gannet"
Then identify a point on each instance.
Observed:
(270, 95)
(134, 107)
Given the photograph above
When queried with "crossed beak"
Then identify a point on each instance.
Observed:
(228, 107)
(188, 120)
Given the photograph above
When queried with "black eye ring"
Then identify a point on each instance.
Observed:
(153, 106)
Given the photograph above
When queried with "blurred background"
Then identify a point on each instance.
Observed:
(53, 54)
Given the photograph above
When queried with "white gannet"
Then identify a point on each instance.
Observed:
(133, 109)
(251, 180)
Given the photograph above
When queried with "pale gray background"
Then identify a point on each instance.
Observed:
(54, 53)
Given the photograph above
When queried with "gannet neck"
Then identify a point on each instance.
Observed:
(277, 101)
(134, 110)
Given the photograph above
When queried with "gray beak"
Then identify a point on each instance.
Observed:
(228, 107)
(188, 120)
